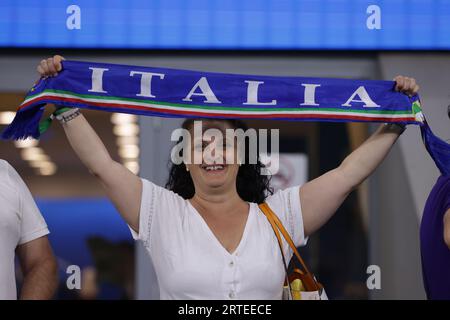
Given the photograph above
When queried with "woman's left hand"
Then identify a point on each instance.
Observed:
(406, 85)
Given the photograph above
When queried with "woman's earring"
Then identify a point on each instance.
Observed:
(187, 169)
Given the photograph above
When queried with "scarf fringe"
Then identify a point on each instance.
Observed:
(25, 124)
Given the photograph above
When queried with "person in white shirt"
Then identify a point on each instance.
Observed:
(205, 234)
(23, 231)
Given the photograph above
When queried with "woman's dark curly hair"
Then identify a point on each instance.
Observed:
(251, 185)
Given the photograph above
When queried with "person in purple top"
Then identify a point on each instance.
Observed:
(435, 241)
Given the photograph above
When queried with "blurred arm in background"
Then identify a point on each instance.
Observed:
(447, 227)
(39, 268)
(33, 249)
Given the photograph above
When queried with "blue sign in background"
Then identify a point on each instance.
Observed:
(72, 222)
(226, 24)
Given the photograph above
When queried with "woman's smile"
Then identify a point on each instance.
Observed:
(214, 169)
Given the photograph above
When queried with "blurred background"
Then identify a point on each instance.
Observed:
(377, 225)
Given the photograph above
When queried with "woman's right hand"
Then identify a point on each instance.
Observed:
(50, 67)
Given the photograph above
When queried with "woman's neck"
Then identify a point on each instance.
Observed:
(221, 202)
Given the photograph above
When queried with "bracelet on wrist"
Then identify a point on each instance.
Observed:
(64, 115)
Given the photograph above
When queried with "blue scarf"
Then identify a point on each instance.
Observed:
(181, 93)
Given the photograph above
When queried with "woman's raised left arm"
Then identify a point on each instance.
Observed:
(321, 197)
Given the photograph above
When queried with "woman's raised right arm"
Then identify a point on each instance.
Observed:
(122, 186)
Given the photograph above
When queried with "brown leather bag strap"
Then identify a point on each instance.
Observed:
(308, 279)
(269, 213)
(280, 245)
(276, 231)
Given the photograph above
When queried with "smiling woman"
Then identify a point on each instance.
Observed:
(251, 184)
(205, 233)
